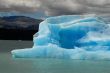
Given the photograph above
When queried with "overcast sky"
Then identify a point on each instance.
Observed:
(56, 7)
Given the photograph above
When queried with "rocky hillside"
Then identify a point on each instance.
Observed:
(19, 22)
(18, 27)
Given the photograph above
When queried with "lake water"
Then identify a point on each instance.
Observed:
(10, 65)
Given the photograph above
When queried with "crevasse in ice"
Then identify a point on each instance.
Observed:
(70, 37)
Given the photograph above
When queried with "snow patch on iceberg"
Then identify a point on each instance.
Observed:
(70, 37)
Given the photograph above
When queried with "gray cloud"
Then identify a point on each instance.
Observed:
(19, 5)
(57, 7)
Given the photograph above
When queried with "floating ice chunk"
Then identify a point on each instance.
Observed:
(70, 37)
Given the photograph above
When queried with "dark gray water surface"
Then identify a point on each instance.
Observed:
(10, 65)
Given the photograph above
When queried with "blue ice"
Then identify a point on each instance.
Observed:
(70, 37)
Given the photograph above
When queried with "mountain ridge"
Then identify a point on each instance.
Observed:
(19, 22)
(18, 27)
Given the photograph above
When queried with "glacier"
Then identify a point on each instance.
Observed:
(84, 37)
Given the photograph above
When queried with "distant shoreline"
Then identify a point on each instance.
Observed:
(16, 34)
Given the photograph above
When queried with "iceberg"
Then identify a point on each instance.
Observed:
(84, 37)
